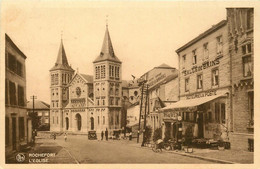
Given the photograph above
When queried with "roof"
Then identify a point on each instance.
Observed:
(8, 39)
(170, 77)
(192, 102)
(37, 105)
(129, 84)
(88, 78)
(107, 51)
(62, 61)
(165, 66)
(204, 34)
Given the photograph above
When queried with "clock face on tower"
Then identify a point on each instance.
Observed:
(78, 91)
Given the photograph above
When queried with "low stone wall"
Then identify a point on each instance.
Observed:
(239, 141)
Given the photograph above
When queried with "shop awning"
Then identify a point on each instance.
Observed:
(192, 102)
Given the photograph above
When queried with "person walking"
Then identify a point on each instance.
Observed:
(54, 136)
(130, 136)
(102, 135)
(65, 137)
(106, 134)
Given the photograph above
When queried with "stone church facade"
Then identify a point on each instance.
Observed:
(81, 103)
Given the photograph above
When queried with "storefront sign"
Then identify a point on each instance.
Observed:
(172, 115)
(156, 79)
(204, 94)
(204, 65)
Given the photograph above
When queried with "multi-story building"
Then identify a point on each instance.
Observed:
(42, 110)
(204, 85)
(81, 103)
(17, 123)
(241, 47)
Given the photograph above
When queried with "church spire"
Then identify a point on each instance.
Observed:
(107, 51)
(62, 61)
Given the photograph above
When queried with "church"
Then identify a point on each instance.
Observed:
(82, 103)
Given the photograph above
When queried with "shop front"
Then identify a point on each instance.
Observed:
(207, 115)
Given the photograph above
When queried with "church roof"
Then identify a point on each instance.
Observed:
(37, 105)
(88, 78)
(62, 61)
(107, 51)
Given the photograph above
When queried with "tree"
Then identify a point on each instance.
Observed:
(148, 133)
(35, 120)
(157, 134)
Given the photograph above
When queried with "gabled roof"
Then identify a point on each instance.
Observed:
(88, 78)
(37, 105)
(165, 66)
(107, 51)
(62, 61)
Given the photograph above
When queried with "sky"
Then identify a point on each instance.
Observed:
(144, 34)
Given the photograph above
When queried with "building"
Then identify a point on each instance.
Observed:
(81, 103)
(42, 110)
(241, 42)
(17, 123)
(204, 86)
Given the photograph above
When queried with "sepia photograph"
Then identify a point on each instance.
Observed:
(114, 82)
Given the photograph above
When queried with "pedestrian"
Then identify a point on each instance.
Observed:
(102, 135)
(54, 136)
(65, 137)
(130, 135)
(106, 134)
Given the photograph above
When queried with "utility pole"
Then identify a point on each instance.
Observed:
(33, 119)
(141, 82)
(146, 104)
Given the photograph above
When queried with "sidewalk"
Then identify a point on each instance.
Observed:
(218, 156)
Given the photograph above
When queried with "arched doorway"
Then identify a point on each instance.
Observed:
(78, 118)
(67, 123)
(92, 123)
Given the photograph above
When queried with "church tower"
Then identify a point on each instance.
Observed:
(61, 75)
(107, 87)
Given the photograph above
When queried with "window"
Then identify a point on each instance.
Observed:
(6, 91)
(46, 120)
(98, 102)
(215, 79)
(117, 119)
(103, 102)
(92, 123)
(39, 113)
(223, 112)
(21, 96)
(135, 93)
(19, 68)
(246, 49)
(112, 71)
(46, 113)
(199, 81)
(111, 100)
(251, 105)
(98, 120)
(219, 45)
(205, 51)
(104, 122)
(117, 101)
(7, 130)
(57, 120)
(183, 61)
(52, 79)
(117, 92)
(12, 62)
(103, 71)
(12, 93)
(111, 91)
(194, 57)
(187, 84)
(250, 19)
(187, 116)
(21, 128)
(53, 119)
(247, 66)
(97, 72)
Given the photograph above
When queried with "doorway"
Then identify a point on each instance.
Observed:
(200, 126)
(78, 118)
(92, 123)
(14, 132)
(67, 123)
